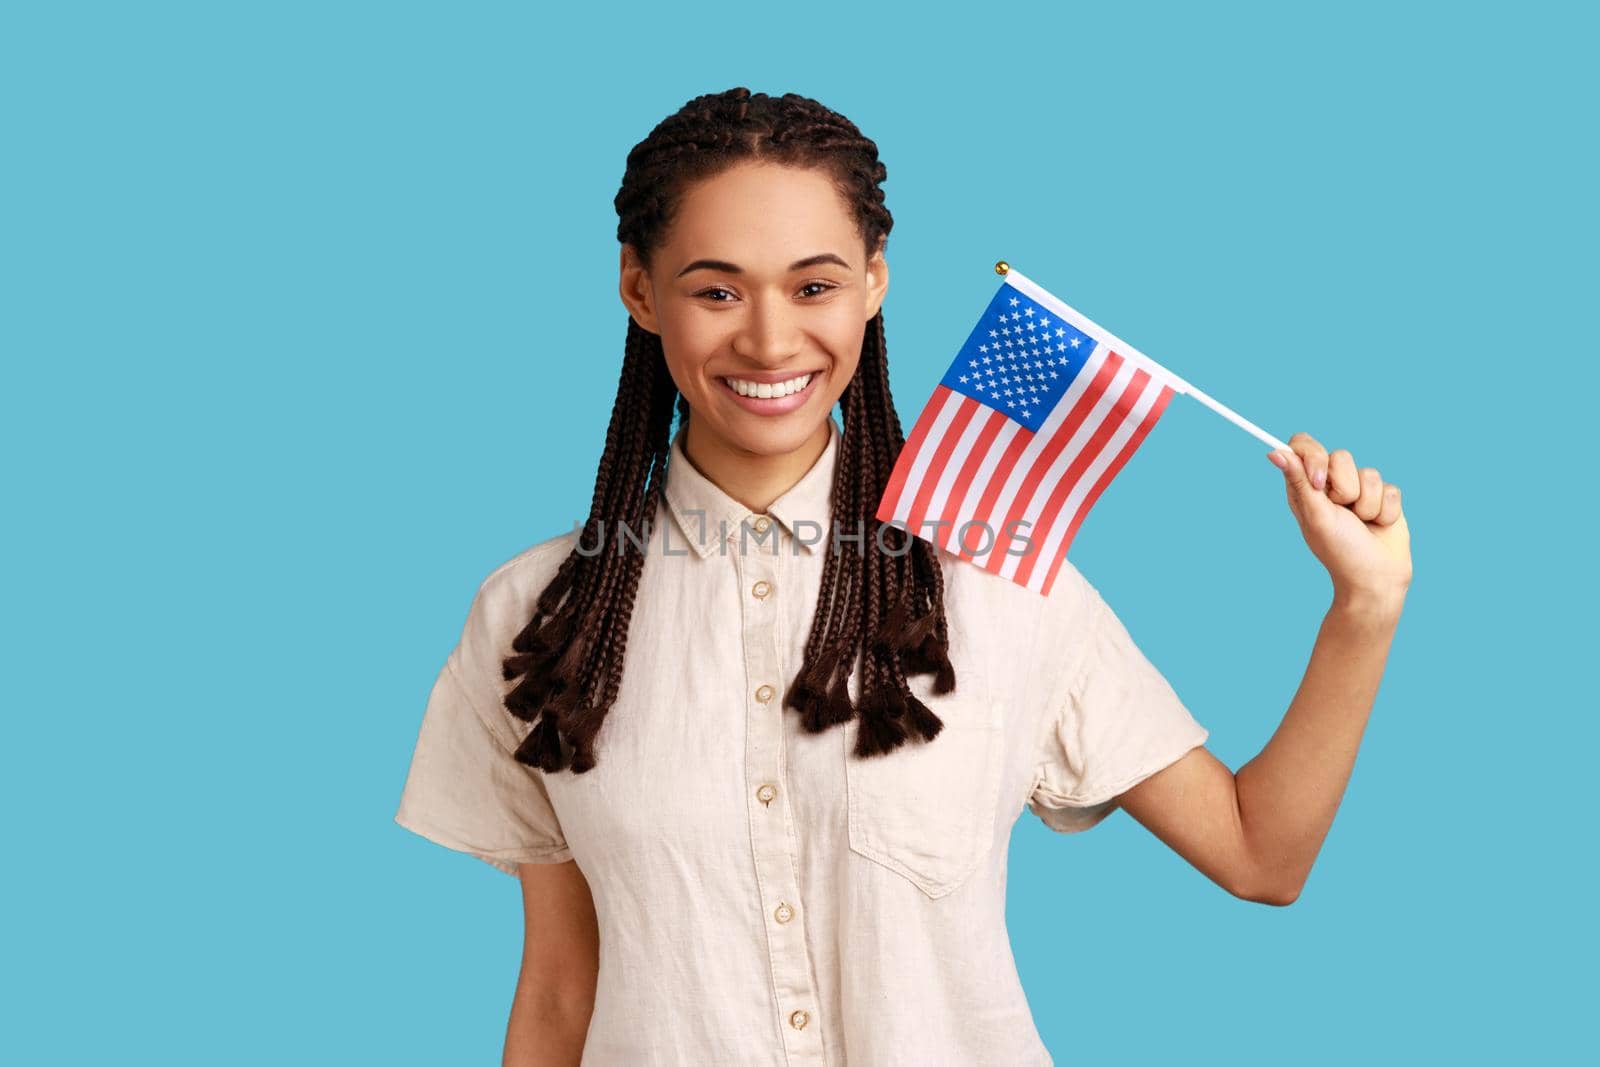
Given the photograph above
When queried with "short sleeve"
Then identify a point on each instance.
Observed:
(465, 789)
(1118, 723)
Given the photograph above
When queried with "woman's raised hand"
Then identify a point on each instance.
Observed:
(1350, 518)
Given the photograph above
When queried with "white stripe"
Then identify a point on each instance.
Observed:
(964, 447)
(1069, 510)
(1048, 429)
(981, 478)
(924, 457)
(1058, 468)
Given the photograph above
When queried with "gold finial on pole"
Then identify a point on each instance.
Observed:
(1001, 267)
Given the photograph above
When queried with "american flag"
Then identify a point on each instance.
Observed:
(1039, 411)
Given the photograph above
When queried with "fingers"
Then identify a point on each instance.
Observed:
(1344, 484)
(1391, 506)
(1371, 499)
(1313, 456)
(1361, 489)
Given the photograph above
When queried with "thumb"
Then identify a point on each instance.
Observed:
(1297, 481)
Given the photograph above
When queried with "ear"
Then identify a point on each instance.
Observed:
(877, 281)
(637, 291)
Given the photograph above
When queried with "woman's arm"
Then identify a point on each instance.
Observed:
(1290, 792)
(1257, 832)
(560, 964)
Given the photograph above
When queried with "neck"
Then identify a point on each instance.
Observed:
(754, 479)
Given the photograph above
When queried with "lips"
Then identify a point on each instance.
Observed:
(755, 385)
(772, 405)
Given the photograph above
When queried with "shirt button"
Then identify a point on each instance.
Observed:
(798, 1019)
(783, 913)
(766, 793)
(764, 693)
(762, 523)
(760, 590)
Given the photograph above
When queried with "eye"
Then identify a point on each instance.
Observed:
(823, 286)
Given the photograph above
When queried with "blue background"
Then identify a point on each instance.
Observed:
(310, 319)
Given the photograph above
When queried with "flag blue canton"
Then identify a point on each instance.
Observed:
(1019, 359)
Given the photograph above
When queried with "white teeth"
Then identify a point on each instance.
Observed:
(762, 389)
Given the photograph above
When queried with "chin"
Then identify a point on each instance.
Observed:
(769, 435)
(769, 440)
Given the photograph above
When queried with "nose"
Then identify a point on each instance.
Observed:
(768, 333)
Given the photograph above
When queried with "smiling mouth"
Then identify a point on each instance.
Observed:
(769, 390)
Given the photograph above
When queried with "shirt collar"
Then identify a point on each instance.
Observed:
(705, 514)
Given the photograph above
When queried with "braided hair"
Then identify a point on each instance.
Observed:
(881, 606)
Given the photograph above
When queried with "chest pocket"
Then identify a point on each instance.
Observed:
(927, 810)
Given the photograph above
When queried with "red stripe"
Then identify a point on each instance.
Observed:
(1113, 420)
(1110, 472)
(953, 512)
(965, 410)
(1058, 439)
(982, 513)
(908, 454)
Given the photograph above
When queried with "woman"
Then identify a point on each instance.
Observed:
(755, 758)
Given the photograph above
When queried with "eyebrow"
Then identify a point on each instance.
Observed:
(733, 268)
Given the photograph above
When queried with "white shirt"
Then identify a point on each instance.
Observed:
(764, 897)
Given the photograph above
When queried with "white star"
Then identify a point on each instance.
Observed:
(1074, 342)
(1028, 312)
(1013, 301)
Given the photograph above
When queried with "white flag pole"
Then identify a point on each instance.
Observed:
(1043, 296)
(1238, 419)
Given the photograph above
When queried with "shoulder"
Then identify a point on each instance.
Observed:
(505, 599)
(975, 597)
(526, 574)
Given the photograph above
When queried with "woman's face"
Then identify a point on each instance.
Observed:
(762, 281)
